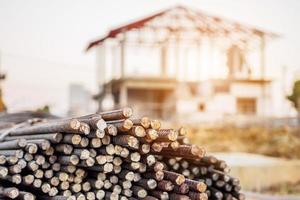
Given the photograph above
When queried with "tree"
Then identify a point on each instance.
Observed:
(2, 104)
(45, 109)
(295, 97)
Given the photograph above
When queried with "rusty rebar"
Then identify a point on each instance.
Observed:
(123, 113)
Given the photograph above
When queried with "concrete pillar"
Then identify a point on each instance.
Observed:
(263, 73)
(199, 61)
(177, 56)
(122, 57)
(163, 60)
(262, 56)
(123, 98)
(101, 64)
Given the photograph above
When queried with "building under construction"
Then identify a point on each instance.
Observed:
(181, 61)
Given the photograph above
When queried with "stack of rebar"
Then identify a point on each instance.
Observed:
(107, 155)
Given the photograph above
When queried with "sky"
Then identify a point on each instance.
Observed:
(42, 42)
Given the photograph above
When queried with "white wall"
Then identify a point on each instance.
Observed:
(222, 104)
(264, 102)
(225, 103)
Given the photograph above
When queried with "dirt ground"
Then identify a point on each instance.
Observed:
(284, 189)
(281, 142)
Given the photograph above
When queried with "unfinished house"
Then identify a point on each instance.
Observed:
(181, 62)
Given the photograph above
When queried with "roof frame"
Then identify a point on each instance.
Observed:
(205, 24)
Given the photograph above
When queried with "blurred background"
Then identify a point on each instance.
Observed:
(229, 70)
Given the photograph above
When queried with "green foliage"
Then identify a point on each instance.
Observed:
(45, 109)
(295, 96)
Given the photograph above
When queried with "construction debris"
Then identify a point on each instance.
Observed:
(107, 156)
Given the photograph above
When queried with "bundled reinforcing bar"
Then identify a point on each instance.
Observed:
(107, 155)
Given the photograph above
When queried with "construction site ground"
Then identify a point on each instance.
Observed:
(258, 147)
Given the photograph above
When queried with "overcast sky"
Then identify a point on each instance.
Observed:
(42, 42)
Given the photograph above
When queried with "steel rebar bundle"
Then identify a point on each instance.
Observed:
(107, 155)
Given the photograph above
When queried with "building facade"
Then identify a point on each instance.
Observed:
(182, 62)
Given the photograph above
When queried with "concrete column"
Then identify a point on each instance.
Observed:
(263, 73)
(185, 64)
(101, 64)
(199, 62)
(163, 60)
(123, 98)
(114, 71)
(122, 58)
(262, 56)
(177, 56)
